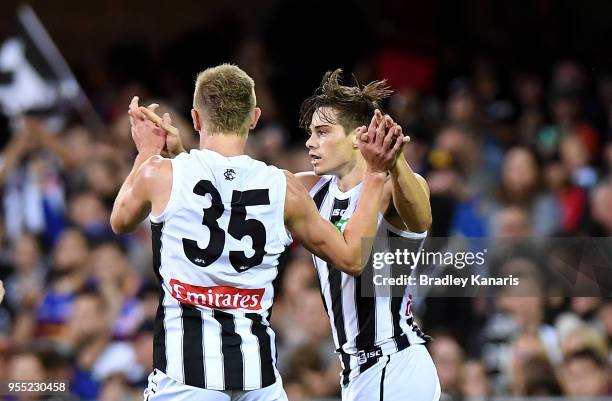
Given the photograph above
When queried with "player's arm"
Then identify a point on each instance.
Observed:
(319, 236)
(150, 178)
(134, 200)
(308, 179)
(410, 195)
(379, 149)
(406, 192)
(174, 143)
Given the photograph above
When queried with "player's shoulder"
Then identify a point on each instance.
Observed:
(154, 175)
(293, 182)
(308, 179)
(296, 189)
(155, 167)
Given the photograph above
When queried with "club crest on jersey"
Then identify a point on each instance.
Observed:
(229, 174)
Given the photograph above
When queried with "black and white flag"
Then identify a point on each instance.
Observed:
(35, 77)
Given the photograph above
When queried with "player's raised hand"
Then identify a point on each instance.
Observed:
(174, 144)
(379, 144)
(147, 136)
(402, 140)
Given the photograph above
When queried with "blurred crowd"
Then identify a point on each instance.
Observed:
(506, 154)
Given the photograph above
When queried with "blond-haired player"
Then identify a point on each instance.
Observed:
(220, 220)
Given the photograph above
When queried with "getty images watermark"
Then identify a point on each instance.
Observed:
(410, 260)
(467, 267)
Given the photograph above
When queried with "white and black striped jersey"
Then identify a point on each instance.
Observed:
(362, 323)
(216, 249)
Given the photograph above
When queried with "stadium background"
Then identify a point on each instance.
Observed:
(509, 106)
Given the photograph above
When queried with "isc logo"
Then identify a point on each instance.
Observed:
(338, 212)
(363, 356)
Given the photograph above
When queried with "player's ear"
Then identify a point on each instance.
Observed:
(353, 135)
(195, 116)
(255, 117)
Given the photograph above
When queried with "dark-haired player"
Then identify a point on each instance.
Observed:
(220, 220)
(381, 349)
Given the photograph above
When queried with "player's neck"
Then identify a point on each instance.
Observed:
(351, 175)
(225, 144)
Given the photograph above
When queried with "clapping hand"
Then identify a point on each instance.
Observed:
(381, 142)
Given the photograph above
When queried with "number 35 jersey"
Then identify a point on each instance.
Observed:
(215, 252)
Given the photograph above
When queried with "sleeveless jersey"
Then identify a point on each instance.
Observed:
(215, 252)
(361, 323)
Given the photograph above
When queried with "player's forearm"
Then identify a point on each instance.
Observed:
(364, 221)
(409, 197)
(121, 220)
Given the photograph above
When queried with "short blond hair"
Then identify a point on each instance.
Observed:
(225, 97)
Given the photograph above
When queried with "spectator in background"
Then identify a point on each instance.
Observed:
(142, 346)
(512, 222)
(118, 283)
(582, 337)
(45, 313)
(32, 178)
(302, 327)
(88, 213)
(466, 152)
(540, 378)
(571, 198)
(586, 307)
(117, 388)
(474, 381)
(461, 106)
(585, 374)
(528, 350)
(26, 365)
(565, 109)
(148, 301)
(521, 186)
(464, 110)
(88, 334)
(519, 313)
(528, 91)
(27, 281)
(68, 276)
(577, 161)
(308, 376)
(19, 187)
(605, 322)
(448, 358)
(126, 359)
(458, 182)
(298, 313)
(601, 212)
